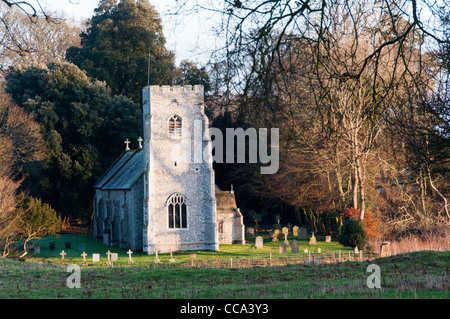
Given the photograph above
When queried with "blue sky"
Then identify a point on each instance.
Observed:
(190, 37)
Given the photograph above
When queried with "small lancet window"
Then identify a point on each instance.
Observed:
(177, 212)
(175, 125)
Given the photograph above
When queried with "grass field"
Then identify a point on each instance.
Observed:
(413, 275)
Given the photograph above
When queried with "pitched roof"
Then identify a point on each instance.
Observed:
(125, 171)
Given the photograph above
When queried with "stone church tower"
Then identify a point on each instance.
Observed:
(162, 195)
(179, 191)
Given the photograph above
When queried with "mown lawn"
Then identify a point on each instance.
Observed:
(414, 275)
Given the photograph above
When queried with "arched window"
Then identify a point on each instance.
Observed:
(177, 212)
(175, 125)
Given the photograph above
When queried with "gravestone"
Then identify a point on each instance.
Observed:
(37, 249)
(305, 250)
(282, 249)
(275, 235)
(355, 250)
(157, 261)
(295, 231)
(68, 245)
(82, 247)
(52, 245)
(302, 233)
(319, 250)
(171, 260)
(250, 231)
(313, 240)
(286, 242)
(130, 261)
(108, 262)
(259, 243)
(63, 263)
(328, 239)
(105, 239)
(114, 257)
(385, 249)
(95, 258)
(285, 230)
(294, 246)
(84, 264)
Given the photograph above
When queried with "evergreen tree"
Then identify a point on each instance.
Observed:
(83, 125)
(116, 46)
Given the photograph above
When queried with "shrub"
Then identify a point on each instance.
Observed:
(371, 224)
(353, 234)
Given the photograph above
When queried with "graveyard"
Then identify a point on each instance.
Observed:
(230, 273)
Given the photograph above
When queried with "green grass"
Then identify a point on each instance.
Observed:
(414, 275)
(226, 251)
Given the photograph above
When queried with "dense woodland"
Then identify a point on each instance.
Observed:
(358, 89)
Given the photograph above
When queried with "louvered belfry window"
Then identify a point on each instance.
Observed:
(177, 212)
(175, 125)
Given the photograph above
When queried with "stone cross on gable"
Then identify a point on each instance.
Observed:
(140, 140)
(127, 143)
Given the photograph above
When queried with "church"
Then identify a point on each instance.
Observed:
(160, 196)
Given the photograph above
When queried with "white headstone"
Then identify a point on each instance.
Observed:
(259, 243)
(95, 258)
(114, 257)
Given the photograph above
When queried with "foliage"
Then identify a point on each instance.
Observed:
(371, 223)
(37, 220)
(188, 73)
(353, 234)
(116, 46)
(83, 125)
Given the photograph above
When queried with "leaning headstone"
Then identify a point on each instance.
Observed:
(295, 231)
(313, 240)
(385, 249)
(95, 258)
(328, 239)
(68, 245)
(52, 245)
(282, 248)
(82, 247)
(302, 233)
(259, 243)
(37, 249)
(294, 246)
